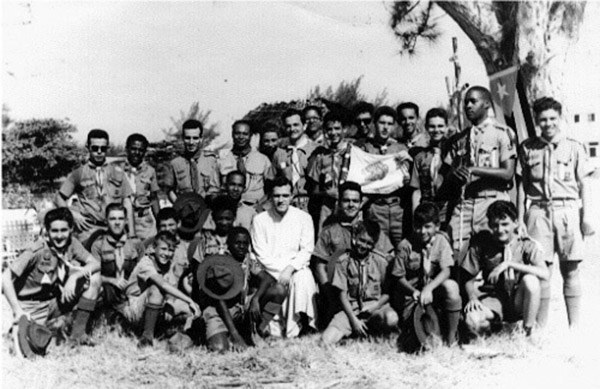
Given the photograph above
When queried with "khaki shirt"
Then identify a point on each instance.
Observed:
(328, 169)
(363, 280)
(40, 269)
(283, 164)
(552, 170)
(426, 172)
(486, 145)
(93, 199)
(178, 174)
(210, 244)
(106, 250)
(410, 257)
(137, 282)
(243, 218)
(336, 238)
(258, 169)
(143, 183)
(485, 254)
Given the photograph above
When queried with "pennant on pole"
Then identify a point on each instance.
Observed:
(503, 86)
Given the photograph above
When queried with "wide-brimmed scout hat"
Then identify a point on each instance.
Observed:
(192, 211)
(30, 338)
(426, 324)
(220, 277)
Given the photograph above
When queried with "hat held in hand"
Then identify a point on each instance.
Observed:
(30, 338)
(220, 277)
(426, 324)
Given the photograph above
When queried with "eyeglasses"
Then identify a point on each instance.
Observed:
(101, 149)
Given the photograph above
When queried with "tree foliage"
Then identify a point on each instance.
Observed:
(536, 35)
(344, 96)
(173, 133)
(36, 152)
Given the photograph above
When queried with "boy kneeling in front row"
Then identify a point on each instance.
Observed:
(53, 277)
(512, 268)
(360, 278)
(148, 285)
(422, 271)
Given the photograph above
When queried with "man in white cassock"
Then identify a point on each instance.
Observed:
(283, 241)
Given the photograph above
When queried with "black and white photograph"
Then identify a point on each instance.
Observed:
(300, 194)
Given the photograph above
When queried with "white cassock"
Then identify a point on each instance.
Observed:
(278, 242)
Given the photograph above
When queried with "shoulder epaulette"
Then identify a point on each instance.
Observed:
(210, 153)
(574, 140)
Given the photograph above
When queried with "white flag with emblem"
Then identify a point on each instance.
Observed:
(377, 174)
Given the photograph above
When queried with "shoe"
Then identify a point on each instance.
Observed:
(145, 342)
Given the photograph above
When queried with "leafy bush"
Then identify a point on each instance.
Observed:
(37, 152)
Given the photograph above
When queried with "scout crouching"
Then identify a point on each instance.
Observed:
(148, 285)
(513, 269)
(54, 276)
(360, 279)
(422, 272)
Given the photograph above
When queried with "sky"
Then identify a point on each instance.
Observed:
(130, 66)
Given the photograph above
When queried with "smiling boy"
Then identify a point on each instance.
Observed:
(54, 276)
(513, 268)
(422, 271)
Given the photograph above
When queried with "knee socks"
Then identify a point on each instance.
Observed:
(151, 314)
(84, 308)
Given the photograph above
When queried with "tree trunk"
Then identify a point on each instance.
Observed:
(537, 35)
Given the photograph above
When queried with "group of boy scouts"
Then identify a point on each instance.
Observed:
(275, 241)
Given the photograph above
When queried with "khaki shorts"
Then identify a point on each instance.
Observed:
(473, 216)
(341, 322)
(557, 229)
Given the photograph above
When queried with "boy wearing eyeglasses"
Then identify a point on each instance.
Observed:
(95, 185)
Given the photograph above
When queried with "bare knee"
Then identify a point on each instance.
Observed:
(531, 283)
(569, 270)
(390, 318)
(218, 342)
(277, 293)
(93, 289)
(450, 288)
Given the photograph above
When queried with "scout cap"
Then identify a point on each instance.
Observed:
(220, 277)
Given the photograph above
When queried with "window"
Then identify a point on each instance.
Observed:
(592, 117)
(576, 118)
(593, 148)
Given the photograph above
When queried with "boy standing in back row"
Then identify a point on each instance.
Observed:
(554, 170)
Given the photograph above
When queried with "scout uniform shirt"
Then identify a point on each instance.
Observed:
(336, 238)
(255, 165)
(143, 183)
(425, 173)
(487, 145)
(363, 280)
(485, 254)
(40, 269)
(137, 282)
(553, 170)
(210, 244)
(243, 218)
(117, 257)
(292, 162)
(96, 187)
(420, 264)
(197, 174)
(328, 168)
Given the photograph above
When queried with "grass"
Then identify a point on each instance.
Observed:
(552, 358)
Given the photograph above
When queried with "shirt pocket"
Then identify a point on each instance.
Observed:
(564, 169)
(89, 188)
(114, 188)
(487, 156)
(255, 176)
